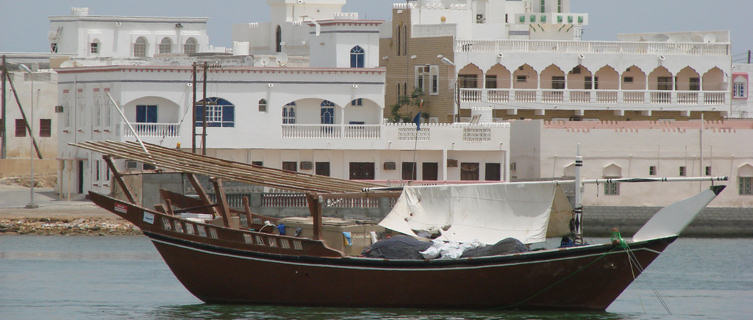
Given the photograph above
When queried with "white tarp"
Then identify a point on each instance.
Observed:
(484, 212)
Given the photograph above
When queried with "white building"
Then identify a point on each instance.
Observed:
(89, 37)
(519, 59)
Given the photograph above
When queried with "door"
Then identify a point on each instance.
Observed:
(430, 171)
(322, 169)
(80, 176)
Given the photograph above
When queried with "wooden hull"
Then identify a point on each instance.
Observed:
(245, 267)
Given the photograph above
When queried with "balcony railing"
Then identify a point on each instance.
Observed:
(331, 131)
(153, 129)
(594, 97)
(593, 47)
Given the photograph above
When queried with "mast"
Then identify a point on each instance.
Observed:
(3, 152)
(193, 111)
(578, 210)
(204, 115)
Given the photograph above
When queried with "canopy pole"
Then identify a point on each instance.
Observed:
(315, 208)
(577, 226)
(122, 115)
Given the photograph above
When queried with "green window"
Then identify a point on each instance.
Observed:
(522, 19)
(559, 19)
(569, 19)
(543, 6)
(543, 19)
(580, 19)
(533, 18)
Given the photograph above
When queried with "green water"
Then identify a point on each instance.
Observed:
(124, 278)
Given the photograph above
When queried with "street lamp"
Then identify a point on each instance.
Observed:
(31, 204)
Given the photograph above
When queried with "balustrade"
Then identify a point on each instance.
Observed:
(144, 129)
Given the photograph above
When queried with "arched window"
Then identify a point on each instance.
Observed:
(165, 46)
(327, 112)
(220, 113)
(94, 47)
(399, 42)
(357, 57)
(288, 113)
(139, 47)
(190, 46)
(278, 39)
(263, 105)
(405, 40)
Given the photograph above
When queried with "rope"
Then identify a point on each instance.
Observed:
(634, 262)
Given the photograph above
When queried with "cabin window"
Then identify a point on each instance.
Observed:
(409, 171)
(322, 169)
(361, 171)
(683, 171)
(220, 113)
(429, 171)
(357, 57)
(746, 185)
(652, 170)
(493, 172)
(469, 171)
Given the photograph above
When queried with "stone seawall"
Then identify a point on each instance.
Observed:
(712, 222)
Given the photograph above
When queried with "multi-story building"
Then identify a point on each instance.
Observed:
(503, 59)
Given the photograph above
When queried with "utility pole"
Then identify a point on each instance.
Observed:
(193, 111)
(204, 116)
(749, 55)
(3, 152)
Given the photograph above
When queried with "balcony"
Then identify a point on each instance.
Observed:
(593, 99)
(331, 131)
(592, 47)
(158, 130)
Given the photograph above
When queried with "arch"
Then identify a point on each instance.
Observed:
(262, 105)
(190, 47)
(357, 57)
(220, 113)
(166, 45)
(470, 76)
(139, 47)
(278, 39)
(745, 180)
(633, 78)
(607, 78)
(713, 80)
(362, 111)
(745, 170)
(660, 79)
(498, 77)
(164, 111)
(95, 47)
(525, 77)
(688, 79)
(612, 171)
(552, 77)
(578, 78)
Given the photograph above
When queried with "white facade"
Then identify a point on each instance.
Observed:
(345, 43)
(268, 115)
(631, 149)
(742, 101)
(85, 36)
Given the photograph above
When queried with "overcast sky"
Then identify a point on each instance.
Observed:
(24, 23)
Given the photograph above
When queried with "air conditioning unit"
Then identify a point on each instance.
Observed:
(389, 165)
(59, 109)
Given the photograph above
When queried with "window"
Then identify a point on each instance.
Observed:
(357, 57)
(746, 185)
(493, 172)
(491, 81)
(45, 127)
(695, 84)
(409, 171)
(468, 81)
(20, 128)
(469, 171)
(543, 6)
(288, 113)
(427, 79)
(322, 169)
(399, 43)
(327, 112)
(361, 170)
(146, 114)
(139, 47)
(94, 47)
(220, 113)
(521, 78)
(257, 163)
(628, 80)
(559, 6)
(290, 166)
(664, 83)
(54, 47)
(262, 105)
(96, 170)
(740, 87)
(652, 170)
(612, 189)
(588, 83)
(708, 170)
(165, 46)
(2, 127)
(278, 39)
(558, 82)
(683, 171)
(429, 171)
(190, 46)
(357, 102)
